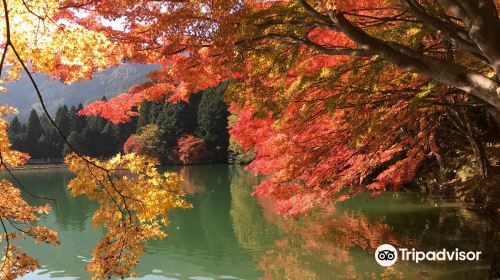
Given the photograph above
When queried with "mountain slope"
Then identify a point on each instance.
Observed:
(107, 83)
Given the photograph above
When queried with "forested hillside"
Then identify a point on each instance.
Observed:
(178, 133)
(193, 132)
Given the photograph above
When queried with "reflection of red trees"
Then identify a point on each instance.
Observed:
(188, 185)
(321, 246)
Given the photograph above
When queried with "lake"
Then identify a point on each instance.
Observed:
(231, 235)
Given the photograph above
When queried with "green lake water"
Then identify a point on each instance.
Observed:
(231, 235)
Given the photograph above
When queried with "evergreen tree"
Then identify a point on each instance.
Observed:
(63, 120)
(75, 140)
(127, 129)
(91, 136)
(15, 126)
(16, 134)
(205, 115)
(156, 109)
(110, 137)
(33, 134)
(174, 121)
(50, 143)
(144, 110)
(80, 121)
(149, 112)
(72, 118)
(212, 123)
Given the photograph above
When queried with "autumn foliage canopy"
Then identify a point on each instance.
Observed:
(334, 97)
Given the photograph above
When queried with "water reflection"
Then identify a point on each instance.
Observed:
(338, 242)
(231, 235)
(437, 223)
(329, 243)
(201, 240)
(191, 182)
(52, 184)
(253, 231)
(315, 247)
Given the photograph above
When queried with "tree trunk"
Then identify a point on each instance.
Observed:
(480, 154)
(477, 146)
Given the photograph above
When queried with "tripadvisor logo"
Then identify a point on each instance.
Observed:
(387, 255)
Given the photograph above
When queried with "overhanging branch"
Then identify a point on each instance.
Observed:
(444, 29)
(445, 72)
(481, 20)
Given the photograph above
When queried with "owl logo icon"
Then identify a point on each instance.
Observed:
(386, 255)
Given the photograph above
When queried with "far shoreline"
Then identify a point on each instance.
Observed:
(35, 166)
(467, 203)
(39, 166)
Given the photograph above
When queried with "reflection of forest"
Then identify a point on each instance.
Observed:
(315, 247)
(70, 217)
(229, 232)
(328, 244)
(190, 184)
(338, 243)
(435, 224)
(203, 236)
(70, 212)
(252, 230)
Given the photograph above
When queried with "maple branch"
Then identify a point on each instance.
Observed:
(44, 108)
(8, 44)
(2, 61)
(381, 19)
(402, 56)
(107, 171)
(2, 163)
(121, 196)
(77, 5)
(481, 19)
(104, 187)
(31, 11)
(451, 33)
(319, 48)
(312, 11)
(407, 58)
(4, 53)
(18, 228)
(7, 246)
